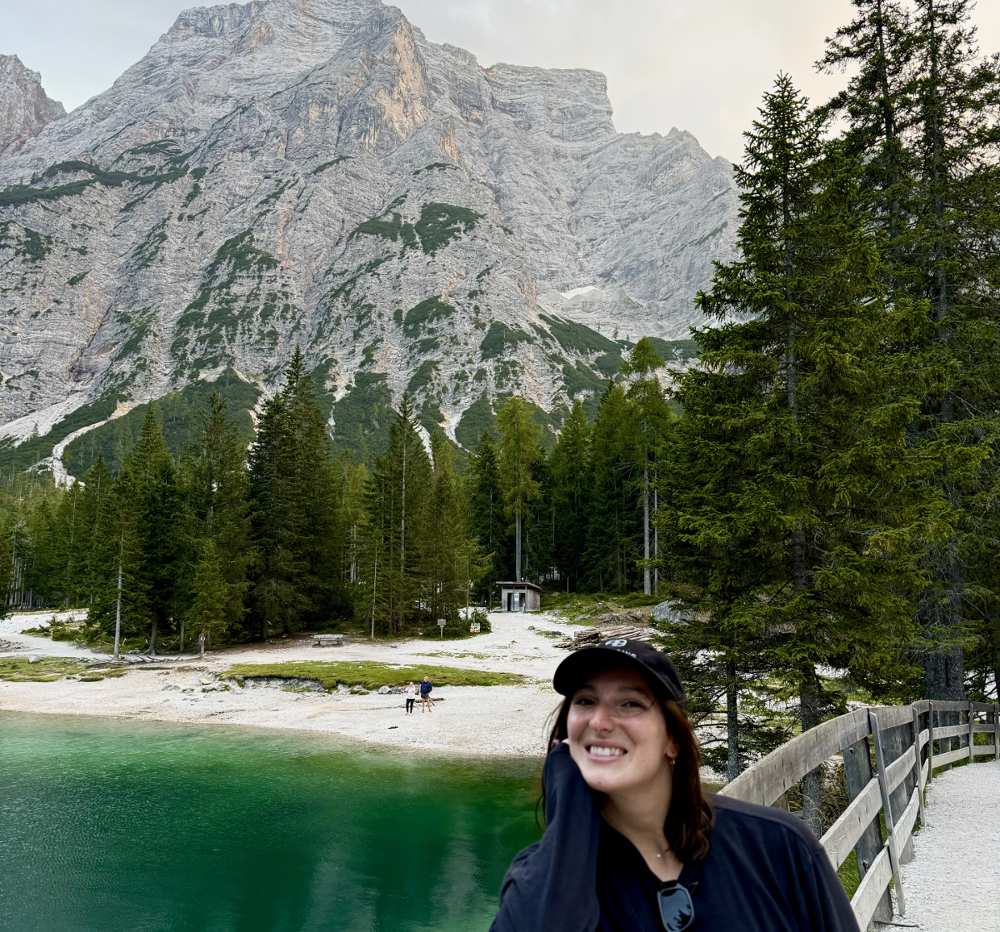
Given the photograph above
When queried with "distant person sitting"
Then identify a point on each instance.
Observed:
(411, 696)
(426, 705)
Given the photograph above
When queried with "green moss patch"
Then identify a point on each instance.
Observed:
(332, 674)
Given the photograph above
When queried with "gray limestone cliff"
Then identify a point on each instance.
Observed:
(25, 108)
(315, 173)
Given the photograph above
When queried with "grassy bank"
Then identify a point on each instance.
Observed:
(50, 669)
(331, 674)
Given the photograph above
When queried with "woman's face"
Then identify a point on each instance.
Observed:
(617, 734)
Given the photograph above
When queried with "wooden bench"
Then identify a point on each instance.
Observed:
(328, 640)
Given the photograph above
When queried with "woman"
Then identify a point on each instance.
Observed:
(411, 696)
(631, 843)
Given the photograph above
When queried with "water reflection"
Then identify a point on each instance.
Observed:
(108, 825)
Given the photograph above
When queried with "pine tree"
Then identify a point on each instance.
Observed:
(211, 608)
(805, 375)
(614, 534)
(451, 557)
(571, 493)
(215, 487)
(652, 416)
(394, 555)
(923, 110)
(519, 451)
(487, 520)
(293, 498)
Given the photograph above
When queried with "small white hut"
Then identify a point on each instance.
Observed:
(520, 597)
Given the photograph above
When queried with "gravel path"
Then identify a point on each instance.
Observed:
(953, 882)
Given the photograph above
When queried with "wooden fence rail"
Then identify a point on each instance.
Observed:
(888, 755)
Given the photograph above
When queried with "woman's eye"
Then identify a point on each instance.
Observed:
(583, 700)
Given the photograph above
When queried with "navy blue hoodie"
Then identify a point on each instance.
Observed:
(765, 872)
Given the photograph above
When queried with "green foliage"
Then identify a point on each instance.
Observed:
(424, 314)
(181, 414)
(501, 339)
(19, 195)
(476, 420)
(26, 243)
(674, 350)
(16, 457)
(362, 417)
(437, 225)
(579, 338)
(369, 676)
(293, 498)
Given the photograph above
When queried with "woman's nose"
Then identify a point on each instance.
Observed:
(601, 719)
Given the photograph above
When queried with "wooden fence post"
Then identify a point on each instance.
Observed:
(917, 764)
(930, 741)
(972, 731)
(890, 822)
(996, 729)
(893, 743)
(857, 774)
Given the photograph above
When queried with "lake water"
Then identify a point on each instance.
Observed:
(108, 825)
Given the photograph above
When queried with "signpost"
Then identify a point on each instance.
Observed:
(441, 624)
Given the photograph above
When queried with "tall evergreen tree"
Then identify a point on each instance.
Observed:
(807, 369)
(217, 508)
(571, 494)
(486, 515)
(614, 534)
(293, 499)
(393, 559)
(651, 414)
(925, 102)
(519, 451)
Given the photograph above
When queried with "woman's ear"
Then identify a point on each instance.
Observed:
(670, 751)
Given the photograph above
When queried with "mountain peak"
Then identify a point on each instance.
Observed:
(25, 108)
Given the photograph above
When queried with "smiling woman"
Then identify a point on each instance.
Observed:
(632, 843)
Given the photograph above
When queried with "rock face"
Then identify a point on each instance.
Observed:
(315, 173)
(24, 106)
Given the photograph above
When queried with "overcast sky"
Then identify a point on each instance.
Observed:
(700, 65)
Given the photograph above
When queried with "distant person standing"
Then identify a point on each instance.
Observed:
(411, 696)
(425, 695)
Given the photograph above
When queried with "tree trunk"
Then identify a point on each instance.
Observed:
(809, 714)
(118, 607)
(733, 767)
(647, 587)
(152, 637)
(517, 544)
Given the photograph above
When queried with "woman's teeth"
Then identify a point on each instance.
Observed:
(605, 752)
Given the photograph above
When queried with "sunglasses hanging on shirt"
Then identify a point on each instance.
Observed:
(676, 908)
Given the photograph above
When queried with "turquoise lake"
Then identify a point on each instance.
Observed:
(108, 825)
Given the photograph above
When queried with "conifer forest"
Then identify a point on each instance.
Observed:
(820, 490)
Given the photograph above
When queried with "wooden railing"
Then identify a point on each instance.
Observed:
(888, 754)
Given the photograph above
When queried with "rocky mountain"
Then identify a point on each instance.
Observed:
(25, 108)
(315, 173)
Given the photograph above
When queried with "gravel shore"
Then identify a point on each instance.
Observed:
(470, 720)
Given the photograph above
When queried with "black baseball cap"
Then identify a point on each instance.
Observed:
(654, 664)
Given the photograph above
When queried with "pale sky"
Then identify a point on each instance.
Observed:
(699, 65)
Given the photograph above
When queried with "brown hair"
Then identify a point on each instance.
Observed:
(690, 818)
